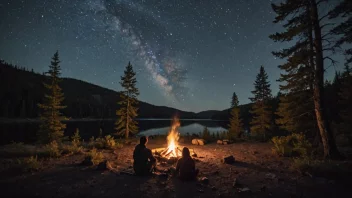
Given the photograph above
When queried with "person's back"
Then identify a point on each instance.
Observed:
(143, 160)
(185, 168)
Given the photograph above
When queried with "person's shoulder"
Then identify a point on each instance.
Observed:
(137, 146)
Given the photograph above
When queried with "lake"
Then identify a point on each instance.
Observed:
(26, 131)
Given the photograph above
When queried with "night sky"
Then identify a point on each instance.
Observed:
(189, 54)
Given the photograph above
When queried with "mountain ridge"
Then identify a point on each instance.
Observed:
(23, 90)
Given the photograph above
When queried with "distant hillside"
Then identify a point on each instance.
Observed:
(207, 114)
(22, 90)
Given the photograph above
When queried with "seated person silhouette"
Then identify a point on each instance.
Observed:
(185, 168)
(144, 161)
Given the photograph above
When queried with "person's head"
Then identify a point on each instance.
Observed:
(185, 152)
(143, 140)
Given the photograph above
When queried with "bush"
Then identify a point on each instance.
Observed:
(76, 139)
(75, 146)
(206, 135)
(30, 164)
(292, 145)
(95, 156)
(107, 142)
(71, 149)
(53, 149)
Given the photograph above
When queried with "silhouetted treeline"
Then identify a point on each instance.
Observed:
(22, 90)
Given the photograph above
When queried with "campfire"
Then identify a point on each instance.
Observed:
(173, 149)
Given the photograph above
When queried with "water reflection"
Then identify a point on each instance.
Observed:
(194, 128)
(26, 131)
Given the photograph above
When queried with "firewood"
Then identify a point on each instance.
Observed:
(164, 151)
(168, 153)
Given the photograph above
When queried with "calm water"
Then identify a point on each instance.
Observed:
(26, 131)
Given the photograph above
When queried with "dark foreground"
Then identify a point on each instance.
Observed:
(258, 173)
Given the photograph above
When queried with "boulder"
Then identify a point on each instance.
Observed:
(229, 160)
(87, 161)
(198, 142)
(105, 165)
(219, 142)
(204, 180)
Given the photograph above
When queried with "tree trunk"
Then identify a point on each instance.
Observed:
(330, 149)
(127, 117)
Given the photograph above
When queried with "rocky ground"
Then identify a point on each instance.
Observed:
(256, 173)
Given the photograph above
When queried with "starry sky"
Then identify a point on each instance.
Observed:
(189, 54)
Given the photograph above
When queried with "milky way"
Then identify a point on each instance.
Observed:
(167, 74)
(188, 54)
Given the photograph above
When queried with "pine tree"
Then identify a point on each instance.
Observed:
(344, 29)
(235, 126)
(206, 134)
(345, 98)
(128, 111)
(234, 100)
(52, 129)
(261, 120)
(305, 59)
(286, 115)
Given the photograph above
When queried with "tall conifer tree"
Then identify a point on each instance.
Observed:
(305, 58)
(261, 119)
(235, 126)
(285, 115)
(52, 129)
(126, 123)
(234, 100)
(345, 98)
(344, 29)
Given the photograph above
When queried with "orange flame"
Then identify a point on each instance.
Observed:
(172, 138)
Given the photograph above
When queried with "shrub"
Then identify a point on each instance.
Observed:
(53, 149)
(110, 142)
(292, 145)
(95, 156)
(206, 135)
(107, 142)
(30, 164)
(71, 149)
(76, 139)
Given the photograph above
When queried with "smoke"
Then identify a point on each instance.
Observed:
(165, 72)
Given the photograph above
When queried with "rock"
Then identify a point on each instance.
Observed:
(242, 190)
(229, 160)
(105, 165)
(204, 180)
(219, 142)
(224, 143)
(254, 152)
(270, 176)
(194, 155)
(198, 142)
(87, 161)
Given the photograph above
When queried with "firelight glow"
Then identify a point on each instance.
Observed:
(172, 139)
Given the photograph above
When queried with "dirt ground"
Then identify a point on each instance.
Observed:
(256, 170)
